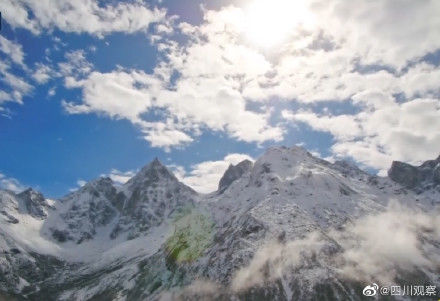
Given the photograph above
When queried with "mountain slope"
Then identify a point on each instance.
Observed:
(289, 226)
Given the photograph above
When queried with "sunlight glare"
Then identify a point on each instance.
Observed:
(270, 22)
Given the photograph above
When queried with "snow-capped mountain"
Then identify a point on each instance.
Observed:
(288, 227)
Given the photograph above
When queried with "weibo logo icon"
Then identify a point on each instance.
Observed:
(370, 290)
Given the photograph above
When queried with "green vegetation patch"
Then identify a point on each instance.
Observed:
(193, 233)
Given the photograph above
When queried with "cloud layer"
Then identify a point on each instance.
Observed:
(80, 16)
(377, 60)
(10, 184)
(205, 176)
(388, 248)
(15, 86)
(377, 248)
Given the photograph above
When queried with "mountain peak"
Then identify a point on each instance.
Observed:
(281, 161)
(233, 173)
(284, 151)
(100, 184)
(30, 193)
(152, 172)
(34, 203)
(153, 220)
(157, 165)
(156, 162)
(100, 181)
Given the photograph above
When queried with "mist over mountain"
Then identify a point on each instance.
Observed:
(289, 226)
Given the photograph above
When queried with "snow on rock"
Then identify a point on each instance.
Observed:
(152, 196)
(34, 203)
(82, 213)
(155, 235)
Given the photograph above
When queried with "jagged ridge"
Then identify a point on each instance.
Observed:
(153, 234)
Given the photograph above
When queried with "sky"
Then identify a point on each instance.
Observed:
(100, 88)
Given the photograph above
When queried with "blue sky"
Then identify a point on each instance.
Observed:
(101, 88)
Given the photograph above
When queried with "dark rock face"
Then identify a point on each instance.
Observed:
(150, 174)
(413, 177)
(404, 174)
(152, 195)
(144, 201)
(92, 206)
(436, 175)
(61, 236)
(10, 218)
(34, 203)
(233, 173)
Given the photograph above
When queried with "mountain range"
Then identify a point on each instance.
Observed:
(289, 226)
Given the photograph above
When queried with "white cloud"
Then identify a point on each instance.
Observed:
(119, 177)
(385, 248)
(13, 50)
(162, 136)
(4, 97)
(374, 248)
(206, 94)
(365, 152)
(126, 95)
(20, 86)
(75, 66)
(42, 73)
(51, 92)
(84, 16)
(81, 183)
(377, 247)
(17, 87)
(385, 132)
(278, 259)
(214, 103)
(205, 176)
(385, 32)
(408, 131)
(364, 53)
(196, 103)
(341, 126)
(320, 63)
(199, 288)
(118, 94)
(420, 81)
(10, 184)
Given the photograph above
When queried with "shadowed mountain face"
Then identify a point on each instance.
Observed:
(126, 211)
(233, 173)
(288, 227)
(419, 178)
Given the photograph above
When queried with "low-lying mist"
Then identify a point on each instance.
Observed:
(398, 244)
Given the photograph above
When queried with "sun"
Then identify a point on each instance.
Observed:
(270, 22)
